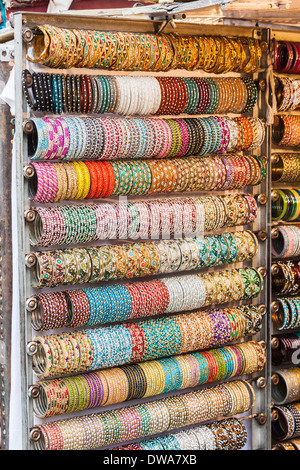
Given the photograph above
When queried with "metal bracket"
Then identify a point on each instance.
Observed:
(166, 20)
(7, 52)
(2, 352)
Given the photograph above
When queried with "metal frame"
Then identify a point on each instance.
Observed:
(260, 425)
(5, 257)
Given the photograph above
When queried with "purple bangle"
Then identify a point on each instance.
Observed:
(215, 321)
(99, 389)
(93, 390)
(225, 328)
(229, 173)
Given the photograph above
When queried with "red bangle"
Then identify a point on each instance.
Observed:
(212, 366)
(296, 65)
(285, 67)
(184, 94)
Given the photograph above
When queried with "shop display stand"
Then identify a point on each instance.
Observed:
(258, 423)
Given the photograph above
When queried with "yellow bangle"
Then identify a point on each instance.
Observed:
(87, 180)
(80, 175)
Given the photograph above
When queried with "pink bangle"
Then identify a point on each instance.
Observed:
(290, 241)
(47, 182)
(168, 138)
(66, 136)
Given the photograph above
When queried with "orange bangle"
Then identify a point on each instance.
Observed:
(93, 175)
(99, 172)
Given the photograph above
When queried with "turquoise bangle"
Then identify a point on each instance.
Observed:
(204, 250)
(214, 95)
(293, 313)
(55, 93)
(214, 250)
(229, 364)
(233, 252)
(204, 369)
(206, 129)
(60, 99)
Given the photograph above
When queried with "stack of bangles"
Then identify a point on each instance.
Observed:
(286, 205)
(55, 182)
(286, 277)
(287, 425)
(286, 167)
(172, 218)
(286, 130)
(144, 340)
(146, 419)
(287, 243)
(292, 444)
(284, 348)
(286, 56)
(287, 93)
(128, 261)
(288, 314)
(287, 389)
(111, 138)
(121, 384)
(137, 96)
(227, 434)
(67, 48)
(119, 302)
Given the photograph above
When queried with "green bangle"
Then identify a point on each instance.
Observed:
(214, 96)
(73, 394)
(283, 208)
(105, 93)
(176, 138)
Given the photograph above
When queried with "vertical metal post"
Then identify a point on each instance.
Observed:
(261, 427)
(5, 257)
(21, 232)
